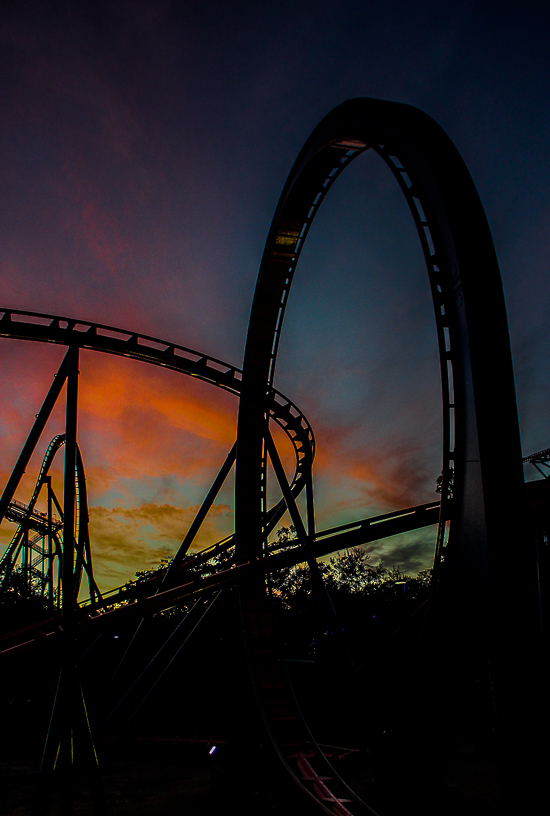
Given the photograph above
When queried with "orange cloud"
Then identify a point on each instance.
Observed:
(126, 540)
(112, 387)
(141, 426)
(137, 424)
(138, 421)
(385, 474)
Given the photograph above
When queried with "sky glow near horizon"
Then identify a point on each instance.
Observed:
(143, 148)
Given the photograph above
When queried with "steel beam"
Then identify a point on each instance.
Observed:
(47, 328)
(71, 418)
(33, 437)
(487, 525)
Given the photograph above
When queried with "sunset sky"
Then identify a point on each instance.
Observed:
(143, 148)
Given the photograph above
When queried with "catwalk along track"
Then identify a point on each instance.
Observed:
(481, 517)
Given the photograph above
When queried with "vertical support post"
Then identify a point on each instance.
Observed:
(69, 483)
(67, 683)
(48, 481)
(264, 485)
(309, 506)
(25, 560)
(58, 750)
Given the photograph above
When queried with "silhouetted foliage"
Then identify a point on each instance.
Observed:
(371, 602)
(22, 602)
(347, 573)
(220, 561)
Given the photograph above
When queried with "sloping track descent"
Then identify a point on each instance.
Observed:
(481, 510)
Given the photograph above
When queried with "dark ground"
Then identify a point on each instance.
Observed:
(168, 779)
(398, 764)
(167, 787)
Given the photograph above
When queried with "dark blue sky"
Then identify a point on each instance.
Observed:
(143, 148)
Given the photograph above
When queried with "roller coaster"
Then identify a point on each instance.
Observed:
(483, 515)
(41, 556)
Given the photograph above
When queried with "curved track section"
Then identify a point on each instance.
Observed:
(476, 370)
(464, 280)
(64, 331)
(40, 564)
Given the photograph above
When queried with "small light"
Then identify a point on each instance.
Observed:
(213, 750)
(353, 143)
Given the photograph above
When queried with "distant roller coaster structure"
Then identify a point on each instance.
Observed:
(41, 557)
(482, 520)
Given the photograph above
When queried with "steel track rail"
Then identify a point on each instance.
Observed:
(47, 328)
(143, 598)
(28, 518)
(17, 513)
(51, 450)
(325, 542)
(542, 455)
(475, 363)
(538, 459)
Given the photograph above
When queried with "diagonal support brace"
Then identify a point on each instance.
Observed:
(33, 437)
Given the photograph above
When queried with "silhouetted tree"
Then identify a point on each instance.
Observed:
(22, 602)
(352, 574)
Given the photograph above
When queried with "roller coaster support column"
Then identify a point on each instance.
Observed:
(69, 717)
(69, 486)
(58, 751)
(68, 680)
(48, 480)
(310, 511)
